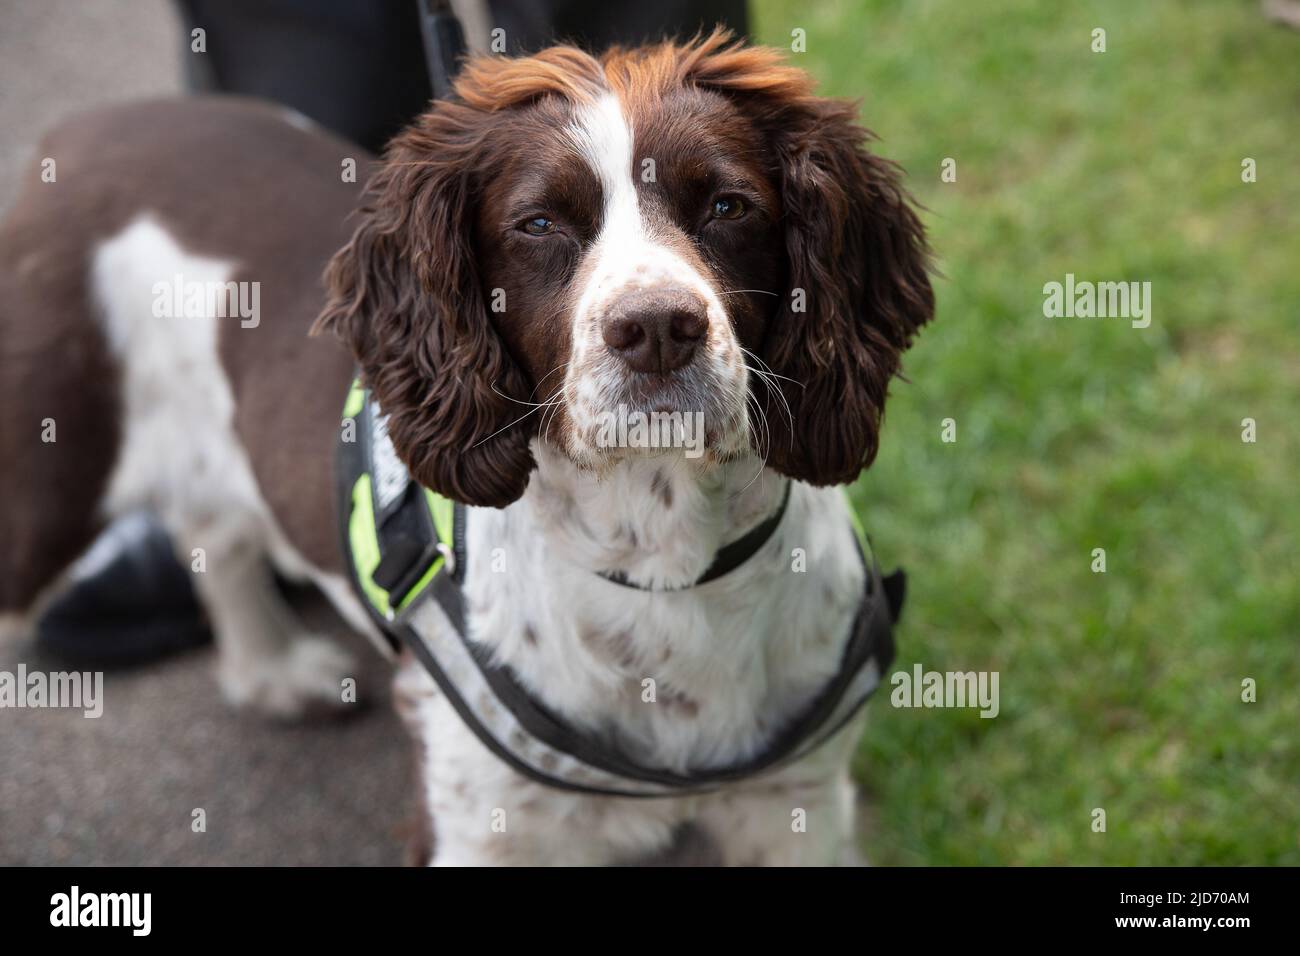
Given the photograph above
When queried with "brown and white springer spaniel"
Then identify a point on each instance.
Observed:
(678, 228)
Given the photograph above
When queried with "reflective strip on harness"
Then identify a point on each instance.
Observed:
(386, 589)
(863, 541)
(441, 511)
(363, 543)
(356, 401)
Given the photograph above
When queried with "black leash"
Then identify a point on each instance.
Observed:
(444, 44)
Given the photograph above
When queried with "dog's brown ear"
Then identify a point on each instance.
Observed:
(858, 291)
(858, 286)
(404, 296)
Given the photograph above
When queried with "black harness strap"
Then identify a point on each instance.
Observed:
(871, 640)
(729, 557)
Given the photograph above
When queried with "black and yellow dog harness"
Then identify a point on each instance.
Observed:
(406, 553)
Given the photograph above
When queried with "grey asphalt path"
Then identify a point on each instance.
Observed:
(122, 789)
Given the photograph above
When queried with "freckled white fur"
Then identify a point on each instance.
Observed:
(731, 660)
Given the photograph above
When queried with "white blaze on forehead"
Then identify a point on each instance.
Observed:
(603, 136)
(625, 254)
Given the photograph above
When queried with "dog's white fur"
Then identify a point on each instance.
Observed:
(730, 660)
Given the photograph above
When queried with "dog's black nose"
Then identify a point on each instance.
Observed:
(656, 330)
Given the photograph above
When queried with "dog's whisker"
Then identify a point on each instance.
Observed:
(765, 430)
(517, 401)
(554, 402)
(785, 404)
(505, 427)
(766, 369)
(532, 411)
(564, 365)
(766, 375)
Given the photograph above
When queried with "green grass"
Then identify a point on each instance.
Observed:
(1119, 690)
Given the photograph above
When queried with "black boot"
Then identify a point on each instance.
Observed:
(129, 601)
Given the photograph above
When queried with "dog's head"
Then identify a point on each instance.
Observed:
(680, 229)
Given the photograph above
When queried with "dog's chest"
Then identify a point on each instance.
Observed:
(679, 679)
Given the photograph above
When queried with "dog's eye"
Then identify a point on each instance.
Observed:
(729, 207)
(538, 226)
